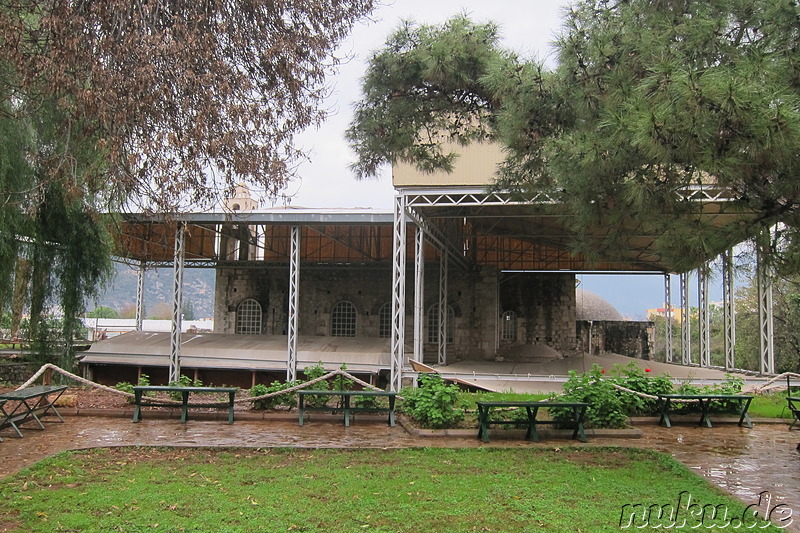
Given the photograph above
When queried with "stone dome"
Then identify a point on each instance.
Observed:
(590, 306)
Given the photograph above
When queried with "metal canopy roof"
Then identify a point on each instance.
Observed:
(482, 227)
(533, 233)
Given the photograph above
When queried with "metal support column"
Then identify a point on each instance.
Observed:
(704, 316)
(398, 292)
(177, 304)
(294, 300)
(728, 310)
(443, 309)
(668, 316)
(419, 294)
(764, 282)
(686, 333)
(140, 296)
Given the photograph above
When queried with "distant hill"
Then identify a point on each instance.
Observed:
(198, 291)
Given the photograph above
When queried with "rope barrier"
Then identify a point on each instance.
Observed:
(769, 385)
(295, 388)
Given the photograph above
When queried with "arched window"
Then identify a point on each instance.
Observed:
(385, 321)
(343, 319)
(248, 318)
(433, 324)
(508, 328)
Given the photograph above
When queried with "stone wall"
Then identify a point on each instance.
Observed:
(544, 304)
(629, 338)
(17, 372)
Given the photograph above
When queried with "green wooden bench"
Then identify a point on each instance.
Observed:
(532, 410)
(667, 402)
(794, 406)
(346, 406)
(32, 403)
(792, 402)
(140, 399)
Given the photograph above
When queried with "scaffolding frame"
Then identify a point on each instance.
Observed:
(704, 316)
(398, 293)
(668, 316)
(686, 332)
(294, 304)
(729, 310)
(765, 318)
(177, 304)
(419, 294)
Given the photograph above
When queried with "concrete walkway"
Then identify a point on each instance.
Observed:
(742, 461)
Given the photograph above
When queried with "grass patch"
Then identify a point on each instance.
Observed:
(770, 406)
(443, 490)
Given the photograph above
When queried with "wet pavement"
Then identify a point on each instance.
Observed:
(744, 462)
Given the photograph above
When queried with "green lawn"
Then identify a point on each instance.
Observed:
(431, 490)
(770, 406)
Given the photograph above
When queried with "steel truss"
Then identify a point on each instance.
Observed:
(177, 304)
(466, 197)
(442, 358)
(419, 294)
(686, 333)
(462, 197)
(668, 316)
(140, 295)
(294, 302)
(728, 309)
(704, 316)
(398, 292)
(438, 238)
(764, 282)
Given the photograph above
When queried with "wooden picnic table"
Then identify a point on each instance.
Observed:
(32, 403)
(346, 407)
(668, 401)
(532, 410)
(140, 390)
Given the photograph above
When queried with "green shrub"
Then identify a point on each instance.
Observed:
(314, 372)
(433, 404)
(731, 384)
(370, 402)
(183, 381)
(342, 383)
(605, 409)
(288, 400)
(124, 386)
(634, 377)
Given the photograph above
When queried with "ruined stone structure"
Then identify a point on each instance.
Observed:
(487, 309)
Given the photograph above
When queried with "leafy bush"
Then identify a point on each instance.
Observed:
(124, 386)
(314, 372)
(341, 382)
(730, 385)
(634, 377)
(288, 400)
(183, 381)
(433, 404)
(605, 409)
